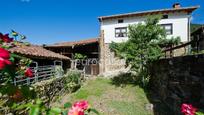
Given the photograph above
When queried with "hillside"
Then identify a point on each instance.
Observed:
(195, 27)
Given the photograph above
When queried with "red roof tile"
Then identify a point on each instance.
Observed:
(33, 51)
(70, 44)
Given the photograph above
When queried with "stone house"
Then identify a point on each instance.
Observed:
(114, 28)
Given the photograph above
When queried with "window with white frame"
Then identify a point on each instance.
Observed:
(168, 28)
(121, 32)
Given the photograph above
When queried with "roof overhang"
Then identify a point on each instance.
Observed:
(73, 44)
(38, 52)
(150, 12)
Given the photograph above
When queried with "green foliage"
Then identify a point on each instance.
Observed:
(59, 72)
(195, 27)
(15, 94)
(143, 45)
(94, 88)
(169, 42)
(67, 105)
(79, 56)
(199, 113)
(93, 111)
(37, 108)
(25, 61)
(73, 80)
(126, 100)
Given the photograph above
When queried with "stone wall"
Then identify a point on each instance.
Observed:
(109, 62)
(179, 80)
(112, 62)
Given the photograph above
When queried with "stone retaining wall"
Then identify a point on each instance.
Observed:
(112, 62)
(179, 80)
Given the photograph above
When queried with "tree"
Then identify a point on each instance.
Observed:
(143, 46)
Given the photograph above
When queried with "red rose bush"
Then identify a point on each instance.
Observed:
(4, 58)
(79, 108)
(28, 73)
(188, 109)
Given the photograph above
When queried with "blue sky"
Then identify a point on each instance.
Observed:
(51, 21)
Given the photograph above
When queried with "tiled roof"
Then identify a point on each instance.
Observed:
(70, 44)
(33, 51)
(150, 12)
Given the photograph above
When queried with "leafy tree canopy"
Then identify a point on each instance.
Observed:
(144, 45)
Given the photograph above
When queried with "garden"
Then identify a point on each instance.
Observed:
(110, 99)
(73, 94)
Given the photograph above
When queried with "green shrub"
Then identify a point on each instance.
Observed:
(59, 71)
(73, 80)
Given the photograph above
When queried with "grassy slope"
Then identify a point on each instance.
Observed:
(109, 99)
(195, 27)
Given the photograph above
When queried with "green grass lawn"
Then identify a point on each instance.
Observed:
(109, 99)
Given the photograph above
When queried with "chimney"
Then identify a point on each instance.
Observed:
(176, 5)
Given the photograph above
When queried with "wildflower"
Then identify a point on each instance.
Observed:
(4, 58)
(28, 72)
(188, 109)
(6, 38)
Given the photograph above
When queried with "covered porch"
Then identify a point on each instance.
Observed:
(45, 64)
(88, 48)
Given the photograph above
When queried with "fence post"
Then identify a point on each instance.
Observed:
(28, 81)
(84, 72)
(53, 71)
(36, 74)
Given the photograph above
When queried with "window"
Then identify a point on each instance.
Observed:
(165, 16)
(121, 32)
(168, 28)
(120, 21)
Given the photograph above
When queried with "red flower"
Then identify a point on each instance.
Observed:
(82, 104)
(28, 72)
(188, 109)
(6, 38)
(4, 58)
(78, 108)
(76, 111)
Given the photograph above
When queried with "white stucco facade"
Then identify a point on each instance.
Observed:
(179, 21)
